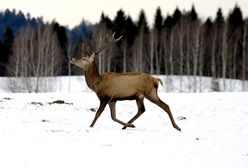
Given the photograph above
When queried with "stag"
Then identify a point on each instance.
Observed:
(112, 87)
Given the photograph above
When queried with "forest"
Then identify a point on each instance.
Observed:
(179, 44)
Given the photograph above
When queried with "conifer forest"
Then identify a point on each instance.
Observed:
(180, 44)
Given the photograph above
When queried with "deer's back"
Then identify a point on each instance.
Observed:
(125, 85)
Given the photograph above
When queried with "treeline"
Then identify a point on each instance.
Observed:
(24, 40)
(178, 44)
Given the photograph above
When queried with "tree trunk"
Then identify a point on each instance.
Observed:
(196, 55)
(244, 56)
(141, 51)
(171, 53)
(188, 57)
(109, 59)
(214, 82)
(151, 52)
(181, 57)
(223, 56)
(125, 56)
(201, 62)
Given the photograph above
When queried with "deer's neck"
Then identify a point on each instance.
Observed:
(92, 76)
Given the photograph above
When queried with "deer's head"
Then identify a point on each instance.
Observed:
(86, 60)
(83, 62)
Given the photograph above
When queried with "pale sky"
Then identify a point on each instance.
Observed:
(72, 12)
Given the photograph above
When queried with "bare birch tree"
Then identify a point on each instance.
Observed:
(151, 52)
(181, 37)
(214, 80)
(36, 54)
(244, 56)
(188, 58)
(196, 56)
(124, 62)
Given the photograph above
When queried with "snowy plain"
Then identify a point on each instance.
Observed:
(34, 132)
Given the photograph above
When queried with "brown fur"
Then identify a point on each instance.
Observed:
(112, 87)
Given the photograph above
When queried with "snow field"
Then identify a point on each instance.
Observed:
(35, 133)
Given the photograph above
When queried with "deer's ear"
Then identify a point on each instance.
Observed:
(92, 57)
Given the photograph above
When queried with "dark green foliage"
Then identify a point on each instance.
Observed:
(209, 23)
(235, 33)
(62, 38)
(235, 18)
(107, 21)
(131, 30)
(120, 24)
(142, 22)
(193, 14)
(168, 22)
(6, 50)
(219, 16)
(176, 15)
(14, 20)
(158, 20)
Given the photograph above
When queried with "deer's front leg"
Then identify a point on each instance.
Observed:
(99, 112)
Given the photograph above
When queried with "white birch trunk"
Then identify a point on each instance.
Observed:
(151, 52)
(223, 56)
(244, 57)
(196, 55)
(171, 53)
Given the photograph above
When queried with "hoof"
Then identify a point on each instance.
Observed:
(128, 125)
(177, 128)
(131, 125)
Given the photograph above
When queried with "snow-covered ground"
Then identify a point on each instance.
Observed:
(37, 134)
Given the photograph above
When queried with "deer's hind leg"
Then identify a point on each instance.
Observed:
(113, 115)
(153, 97)
(141, 109)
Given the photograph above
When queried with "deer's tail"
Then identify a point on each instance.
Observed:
(157, 81)
(161, 82)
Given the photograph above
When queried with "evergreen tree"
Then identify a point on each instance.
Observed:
(2, 65)
(207, 47)
(142, 22)
(142, 44)
(131, 30)
(62, 39)
(107, 21)
(120, 23)
(61, 34)
(177, 15)
(6, 50)
(158, 25)
(193, 14)
(235, 31)
(235, 18)
(168, 22)
(218, 32)
(158, 20)
(219, 16)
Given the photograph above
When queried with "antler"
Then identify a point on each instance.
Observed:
(89, 51)
(106, 42)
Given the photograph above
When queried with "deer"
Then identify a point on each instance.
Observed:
(112, 87)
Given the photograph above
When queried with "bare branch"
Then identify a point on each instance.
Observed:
(88, 50)
(106, 42)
